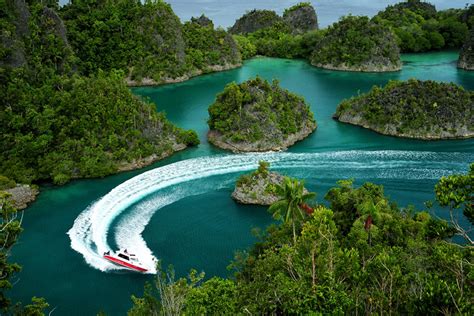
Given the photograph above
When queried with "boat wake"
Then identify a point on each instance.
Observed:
(136, 201)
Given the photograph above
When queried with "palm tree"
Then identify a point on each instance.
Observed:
(291, 206)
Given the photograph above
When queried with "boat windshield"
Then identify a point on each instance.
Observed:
(121, 255)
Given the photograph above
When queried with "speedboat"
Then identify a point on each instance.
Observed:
(125, 259)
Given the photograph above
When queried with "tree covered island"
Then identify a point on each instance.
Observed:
(258, 116)
(413, 109)
(357, 44)
(57, 123)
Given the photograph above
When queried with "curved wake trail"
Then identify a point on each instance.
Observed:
(90, 230)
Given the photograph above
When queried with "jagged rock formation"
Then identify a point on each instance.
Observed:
(466, 56)
(255, 20)
(357, 44)
(256, 116)
(301, 18)
(203, 21)
(413, 109)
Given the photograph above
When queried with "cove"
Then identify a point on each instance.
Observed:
(196, 224)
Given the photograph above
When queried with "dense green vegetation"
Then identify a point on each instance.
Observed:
(420, 28)
(413, 108)
(416, 27)
(263, 32)
(362, 255)
(357, 43)
(57, 125)
(144, 40)
(10, 229)
(456, 192)
(258, 114)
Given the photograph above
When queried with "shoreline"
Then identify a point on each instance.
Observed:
(215, 138)
(422, 138)
(363, 69)
(149, 82)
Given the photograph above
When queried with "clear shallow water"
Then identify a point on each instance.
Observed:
(192, 220)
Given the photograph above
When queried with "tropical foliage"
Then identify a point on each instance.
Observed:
(292, 205)
(256, 110)
(10, 229)
(413, 108)
(57, 125)
(362, 255)
(457, 193)
(357, 43)
(145, 40)
(419, 27)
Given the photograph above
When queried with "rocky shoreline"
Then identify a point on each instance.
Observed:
(258, 188)
(146, 82)
(256, 192)
(361, 68)
(22, 195)
(146, 161)
(216, 138)
(391, 130)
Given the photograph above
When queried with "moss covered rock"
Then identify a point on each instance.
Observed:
(357, 44)
(413, 109)
(258, 116)
(466, 56)
(301, 17)
(255, 20)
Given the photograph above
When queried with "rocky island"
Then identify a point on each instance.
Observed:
(357, 44)
(413, 109)
(297, 19)
(466, 56)
(258, 116)
(258, 187)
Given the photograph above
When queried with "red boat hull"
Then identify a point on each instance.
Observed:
(125, 264)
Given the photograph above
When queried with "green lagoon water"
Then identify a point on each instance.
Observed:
(185, 209)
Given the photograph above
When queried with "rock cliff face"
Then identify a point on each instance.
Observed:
(466, 56)
(22, 195)
(203, 21)
(256, 116)
(357, 44)
(11, 35)
(413, 109)
(255, 20)
(301, 18)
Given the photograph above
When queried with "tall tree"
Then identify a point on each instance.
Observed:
(292, 203)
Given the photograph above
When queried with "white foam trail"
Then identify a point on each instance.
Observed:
(89, 232)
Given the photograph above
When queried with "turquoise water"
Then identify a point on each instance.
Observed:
(184, 207)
